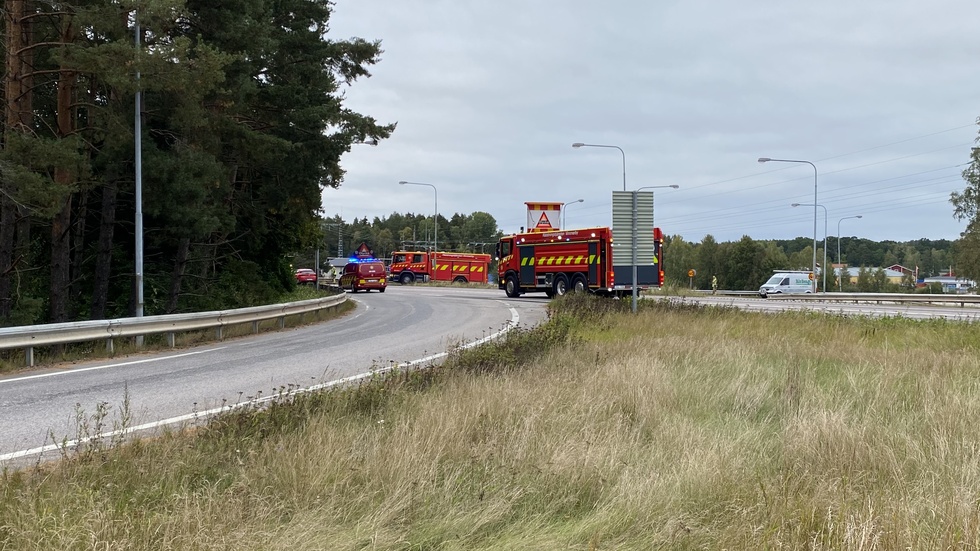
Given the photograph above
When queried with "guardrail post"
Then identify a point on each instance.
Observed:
(30, 356)
(109, 346)
(220, 332)
(282, 322)
(172, 339)
(255, 327)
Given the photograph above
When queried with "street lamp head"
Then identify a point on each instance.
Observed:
(764, 159)
(674, 186)
(859, 216)
(371, 141)
(577, 144)
(795, 205)
(403, 182)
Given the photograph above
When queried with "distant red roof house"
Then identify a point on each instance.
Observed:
(900, 268)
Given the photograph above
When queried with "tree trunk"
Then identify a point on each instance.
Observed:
(8, 225)
(60, 289)
(17, 118)
(103, 257)
(180, 266)
(78, 258)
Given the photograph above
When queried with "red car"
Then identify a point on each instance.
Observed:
(305, 276)
(364, 276)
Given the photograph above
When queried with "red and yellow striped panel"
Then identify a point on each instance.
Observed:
(561, 260)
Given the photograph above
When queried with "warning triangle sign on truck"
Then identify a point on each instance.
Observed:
(363, 252)
(544, 223)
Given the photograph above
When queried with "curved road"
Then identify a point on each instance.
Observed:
(402, 325)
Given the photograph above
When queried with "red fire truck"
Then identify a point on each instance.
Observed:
(411, 266)
(581, 260)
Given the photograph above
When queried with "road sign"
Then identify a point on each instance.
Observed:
(692, 272)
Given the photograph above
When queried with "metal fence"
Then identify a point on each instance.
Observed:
(879, 298)
(29, 337)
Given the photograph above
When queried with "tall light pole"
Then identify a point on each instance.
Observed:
(435, 240)
(580, 144)
(824, 267)
(840, 287)
(635, 191)
(138, 164)
(565, 206)
(814, 267)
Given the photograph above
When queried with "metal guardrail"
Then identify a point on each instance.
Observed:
(31, 336)
(879, 298)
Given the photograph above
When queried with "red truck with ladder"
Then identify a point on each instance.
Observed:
(557, 261)
(411, 266)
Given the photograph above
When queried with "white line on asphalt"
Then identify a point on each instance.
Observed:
(107, 366)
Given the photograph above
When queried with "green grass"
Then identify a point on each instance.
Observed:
(682, 427)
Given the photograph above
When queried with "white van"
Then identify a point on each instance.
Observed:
(787, 283)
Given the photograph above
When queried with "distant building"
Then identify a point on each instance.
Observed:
(952, 284)
(850, 274)
(903, 269)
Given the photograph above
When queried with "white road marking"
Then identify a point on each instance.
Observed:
(107, 366)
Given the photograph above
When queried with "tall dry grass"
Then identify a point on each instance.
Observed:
(679, 428)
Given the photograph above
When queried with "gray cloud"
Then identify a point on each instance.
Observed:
(489, 97)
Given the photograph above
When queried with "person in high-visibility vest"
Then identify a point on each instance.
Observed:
(714, 284)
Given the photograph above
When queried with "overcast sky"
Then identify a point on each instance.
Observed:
(881, 96)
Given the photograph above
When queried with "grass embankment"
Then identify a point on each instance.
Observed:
(682, 427)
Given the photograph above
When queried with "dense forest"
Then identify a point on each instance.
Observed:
(243, 126)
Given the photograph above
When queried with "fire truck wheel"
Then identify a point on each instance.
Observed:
(407, 278)
(561, 285)
(511, 287)
(459, 279)
(579, 285)
(381, 290)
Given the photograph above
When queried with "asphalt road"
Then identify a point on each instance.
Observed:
(402, 325)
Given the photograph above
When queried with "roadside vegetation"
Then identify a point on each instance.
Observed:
(680, 427)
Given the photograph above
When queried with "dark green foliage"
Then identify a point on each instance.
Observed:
(243, 126)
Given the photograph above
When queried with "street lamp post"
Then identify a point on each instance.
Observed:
(577, 145)
(435, 240)
(565, 206)
(814, 266)
(840, 287)
(824, 267)
(633, 261)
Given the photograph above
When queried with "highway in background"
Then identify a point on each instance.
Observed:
(401, 325)
(912, 310)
